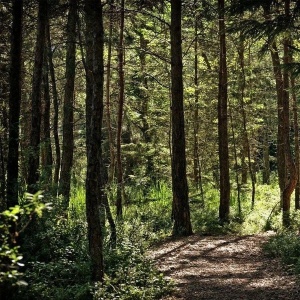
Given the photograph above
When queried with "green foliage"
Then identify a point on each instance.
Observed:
(13, 222)
(58, 261)
(286, 246)
(130, 275)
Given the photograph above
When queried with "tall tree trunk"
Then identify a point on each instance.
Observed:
(181, 210)
(120, 182)
(55, 105)
(14, 105)
(291, 172)
(223, 122)
(68, 119)
(35, 134)
(94, 116)
(111, 169)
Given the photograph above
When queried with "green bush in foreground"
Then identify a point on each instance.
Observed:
(286, 246)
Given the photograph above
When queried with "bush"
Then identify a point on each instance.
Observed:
(130, 275)
(285, 246)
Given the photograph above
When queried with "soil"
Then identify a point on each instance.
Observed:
(225, 268)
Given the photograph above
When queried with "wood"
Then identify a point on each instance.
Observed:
(94, 115)
(15, 80)
(181, 210)
(224, 207)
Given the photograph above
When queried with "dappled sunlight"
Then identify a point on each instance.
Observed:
(220, 267)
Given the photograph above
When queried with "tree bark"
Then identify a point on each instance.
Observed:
(181, 210)
(223, 122)
(15, 80)
(94, 116)
(35, 134)
(68, 119)
(120, 181)
(291, 172)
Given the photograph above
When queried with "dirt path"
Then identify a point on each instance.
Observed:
(225, 268)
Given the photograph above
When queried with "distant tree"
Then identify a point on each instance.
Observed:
(55, 97)
(111, 169)
(35, 134)
(14, 104)
(46, 147)
(120, 182)
(68, 116)
(181, 210)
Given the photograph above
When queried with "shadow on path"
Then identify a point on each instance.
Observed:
(226, 268)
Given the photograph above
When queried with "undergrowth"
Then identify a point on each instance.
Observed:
(56, 255)
(285, 245)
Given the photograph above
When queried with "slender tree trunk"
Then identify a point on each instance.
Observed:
(94, 116)
(237, 181)
(120, 182)
(223, 122)
(297, 146)
(196, 159)
(68, 119)
(281, 159)
(181, 210)
(111, 170)
(14, 105)
(246, 143)
(196, 109)
(35, 134)
(46, 149)
(55, 105)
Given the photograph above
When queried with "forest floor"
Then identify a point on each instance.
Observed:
(224, 268)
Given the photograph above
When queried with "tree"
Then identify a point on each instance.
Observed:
(181, 210)
(94, 114)
(283, 111)
(46, 148)
(55, 105)
(223, 121)
(35, 134)
(14, 104)
(120, 182)
(68, 119)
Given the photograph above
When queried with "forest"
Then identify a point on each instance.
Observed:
(132, 131)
